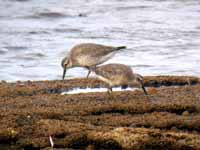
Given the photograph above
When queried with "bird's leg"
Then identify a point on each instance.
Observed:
(91, 68)
(110, 93)
(88, 73)
(109, 90)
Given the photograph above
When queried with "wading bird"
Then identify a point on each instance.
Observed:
(88, 55)
(119, 75)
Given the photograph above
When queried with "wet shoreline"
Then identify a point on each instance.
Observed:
(162, 37)
(168, 117)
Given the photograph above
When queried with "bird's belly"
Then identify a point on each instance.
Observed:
(93, 61)
(85, 61)
(114, 81)
(119, 80)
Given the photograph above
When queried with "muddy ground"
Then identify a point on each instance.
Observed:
(167, 119)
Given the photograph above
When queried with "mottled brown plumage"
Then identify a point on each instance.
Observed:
(88, 55)
(118, 75)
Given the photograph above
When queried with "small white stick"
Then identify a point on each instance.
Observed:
(51, 141)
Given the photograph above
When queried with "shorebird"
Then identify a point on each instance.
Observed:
(88, 55)
(119, 75)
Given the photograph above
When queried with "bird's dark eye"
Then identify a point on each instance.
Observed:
(66, 63)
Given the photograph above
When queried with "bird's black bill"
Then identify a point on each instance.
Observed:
(64, 72)
(145, 92)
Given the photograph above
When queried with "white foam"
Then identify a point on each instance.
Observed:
(92, 90)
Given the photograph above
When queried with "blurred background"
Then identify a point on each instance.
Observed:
(162, 36)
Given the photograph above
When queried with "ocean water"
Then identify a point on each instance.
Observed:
(162, 36)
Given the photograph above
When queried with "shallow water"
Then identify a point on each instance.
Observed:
(91, 90)
(163, 37)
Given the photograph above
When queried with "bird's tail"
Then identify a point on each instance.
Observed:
(120, 47)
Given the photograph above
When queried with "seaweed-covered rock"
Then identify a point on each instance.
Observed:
(168, 118)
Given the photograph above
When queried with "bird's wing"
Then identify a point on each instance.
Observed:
(110, 70)
(92, 50)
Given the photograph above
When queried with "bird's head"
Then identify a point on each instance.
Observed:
(66, 63)
(139, 79)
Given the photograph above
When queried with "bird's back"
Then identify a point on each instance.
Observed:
(90, 54)
(115, 72)
(91, 49)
